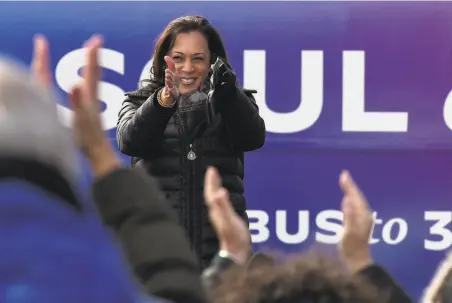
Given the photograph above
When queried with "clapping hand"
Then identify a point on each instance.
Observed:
(222, 74)
(87, 123)
(354, 246)
(170, 92)
(231, 230)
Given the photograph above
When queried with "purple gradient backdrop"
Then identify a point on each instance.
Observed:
(408, 49)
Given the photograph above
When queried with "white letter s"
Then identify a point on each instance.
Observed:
(67, 74)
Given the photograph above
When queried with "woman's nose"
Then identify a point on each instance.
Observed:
(187, 67)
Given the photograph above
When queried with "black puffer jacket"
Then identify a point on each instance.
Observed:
(163, 141)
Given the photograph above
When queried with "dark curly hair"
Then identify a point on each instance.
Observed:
(440, 287)
(308, 278)
(446, 293)
(165, 43)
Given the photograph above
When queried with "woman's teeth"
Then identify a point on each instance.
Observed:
(187, 81)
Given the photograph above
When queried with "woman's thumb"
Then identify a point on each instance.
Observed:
(170, 63)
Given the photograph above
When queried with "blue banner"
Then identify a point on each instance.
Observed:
(358, 85)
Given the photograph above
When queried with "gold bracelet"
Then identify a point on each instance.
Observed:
(159, 100)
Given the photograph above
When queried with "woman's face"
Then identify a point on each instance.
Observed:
(192, 59)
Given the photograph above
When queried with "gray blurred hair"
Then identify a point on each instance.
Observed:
(29, 125)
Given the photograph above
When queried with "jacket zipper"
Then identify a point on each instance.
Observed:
(187, 213)
(189, 147)
(189, 177)
(191, 157)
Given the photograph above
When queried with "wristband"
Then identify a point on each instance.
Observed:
(223, 260)
(159, 100)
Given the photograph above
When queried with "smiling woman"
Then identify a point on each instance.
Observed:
(190, 54)
(189, 115)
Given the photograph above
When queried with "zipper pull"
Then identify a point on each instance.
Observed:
(191, 154)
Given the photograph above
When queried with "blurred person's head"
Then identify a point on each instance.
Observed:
(193, 43)
(51, 250)
(440, 288)
(31, 134)
(310, 278)
(446, 291)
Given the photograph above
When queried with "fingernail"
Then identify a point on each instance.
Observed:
(344, 176)
(38, 37)
(37, 41)
(98, 39)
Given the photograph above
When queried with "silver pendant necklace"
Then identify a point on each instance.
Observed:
(191, 154)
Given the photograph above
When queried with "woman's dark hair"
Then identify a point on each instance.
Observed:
(166, 40)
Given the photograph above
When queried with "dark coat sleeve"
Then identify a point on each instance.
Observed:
(241, 113)
(131, 203)
(141, 124)
(376, 275)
